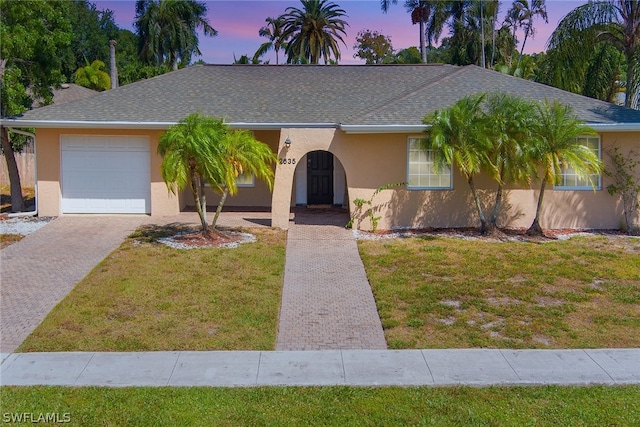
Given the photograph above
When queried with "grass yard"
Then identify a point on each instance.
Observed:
(440, 292)
(146, 296)
(341, 406)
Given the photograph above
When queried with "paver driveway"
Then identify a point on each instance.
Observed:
(40, 270)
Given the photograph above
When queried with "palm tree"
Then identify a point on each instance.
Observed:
(430, 15)
(615, 22)
(523, 13)
(243, 154)
(192, 155)
(272, 31)
(512, 120)
(167, 30)
(92, 76)
(556, 147)
(458, 136)
(314, 31)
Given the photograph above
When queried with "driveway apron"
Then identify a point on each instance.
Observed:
(40, 270)
(327, 302)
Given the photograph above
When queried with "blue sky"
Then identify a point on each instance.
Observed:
(238, 23)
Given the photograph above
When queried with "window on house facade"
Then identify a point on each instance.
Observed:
(570, 180)
(243, 180)
(246, 180)
(421, 173)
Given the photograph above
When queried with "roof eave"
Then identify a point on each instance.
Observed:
(96, 124)
(364, 129)
(615, 127)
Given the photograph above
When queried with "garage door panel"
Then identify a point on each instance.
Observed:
(105, 174)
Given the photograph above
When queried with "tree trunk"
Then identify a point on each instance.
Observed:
(524, 42)
(203, 198)
(225, 193)
(496, 207)
(17, 201)
(631, 83)
(493, 35)
(484, 229)
(482, 54)
(535, 229)
(423, 42)
(113, 70)
(196, 198)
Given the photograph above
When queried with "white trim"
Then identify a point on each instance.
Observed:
(423, 187)
(349, 129)
(97, 124)
(363, 129)
(615, 127)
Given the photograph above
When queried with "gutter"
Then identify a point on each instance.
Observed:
(34, 212)
(364, 129)
(97, 124)
(615, 127)
(349, 129)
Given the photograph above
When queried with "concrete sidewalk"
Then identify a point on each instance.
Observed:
(477, 367)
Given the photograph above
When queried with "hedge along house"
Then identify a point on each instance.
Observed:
(339, 132)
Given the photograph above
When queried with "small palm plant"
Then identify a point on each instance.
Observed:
(243, 154)
(556, 146)
(202, 150)
(459, 136)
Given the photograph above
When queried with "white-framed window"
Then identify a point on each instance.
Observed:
(421, 172)
(243, 180)
(246, 179)
(570, 180)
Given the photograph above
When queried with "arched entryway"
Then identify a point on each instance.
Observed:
(319, 180)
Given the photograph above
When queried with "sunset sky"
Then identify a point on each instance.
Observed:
(238, 23)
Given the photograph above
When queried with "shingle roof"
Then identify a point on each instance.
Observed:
(350, 95)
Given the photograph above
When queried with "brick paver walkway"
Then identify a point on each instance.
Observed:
(327, 301)
(38, 272)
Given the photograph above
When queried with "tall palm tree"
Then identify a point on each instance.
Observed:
(556, 147)
(458, 136)
(272, 31)
(523, 12)
(167, 30)
(314, 31)
(192, 155)
(430, 15)
(243, 154)
(615, 22)
(93, 76)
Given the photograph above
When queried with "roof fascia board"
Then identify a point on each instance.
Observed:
(615, 127)
(68, 124)
(364, 129)
(350, 129)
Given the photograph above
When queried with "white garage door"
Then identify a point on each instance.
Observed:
(105, 174)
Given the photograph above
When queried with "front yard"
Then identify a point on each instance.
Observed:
(443, 292)
(432, 292)
(146, 296)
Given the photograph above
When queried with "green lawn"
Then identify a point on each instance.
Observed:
(340, 406)
(441, 292)
(146, 296)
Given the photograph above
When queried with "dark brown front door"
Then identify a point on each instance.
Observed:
(319, 178)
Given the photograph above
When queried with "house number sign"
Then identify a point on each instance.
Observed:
(287, 161)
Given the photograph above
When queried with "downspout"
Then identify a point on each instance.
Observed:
(34, 212)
